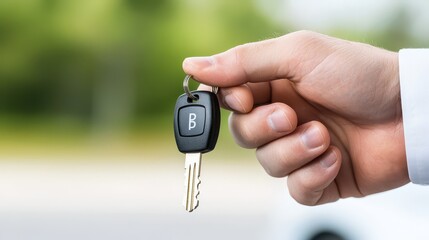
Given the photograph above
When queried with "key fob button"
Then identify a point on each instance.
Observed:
(191, 121)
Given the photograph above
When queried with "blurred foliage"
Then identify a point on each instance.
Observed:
(111, 62)
(394, 36)
(77, 67)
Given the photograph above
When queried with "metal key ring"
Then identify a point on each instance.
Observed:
(189, 93)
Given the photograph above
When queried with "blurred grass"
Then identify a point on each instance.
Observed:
(70, 139)
(101, 77)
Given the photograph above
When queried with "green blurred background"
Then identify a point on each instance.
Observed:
(87, 90)
(78, 76)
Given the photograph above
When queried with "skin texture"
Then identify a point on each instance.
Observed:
(323, 111)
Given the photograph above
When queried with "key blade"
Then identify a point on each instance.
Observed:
(192, 180)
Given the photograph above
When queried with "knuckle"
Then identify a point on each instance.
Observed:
(288, 111)
(247, 136)
(304, 39)
(243, 134)
(267, 164)
(241, 53)
(285, 159)
(305, 35)
(323, 131)
(245, 55)
(280, 106)
(274, 172)
(304, 200)
(304, 195)
(278, 164)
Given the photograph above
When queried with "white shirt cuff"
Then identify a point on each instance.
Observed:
(414, 82)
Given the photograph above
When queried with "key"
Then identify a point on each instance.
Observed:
(196, 129)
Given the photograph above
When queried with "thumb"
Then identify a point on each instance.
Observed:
(278, 58)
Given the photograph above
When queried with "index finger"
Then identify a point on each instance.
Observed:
(277, 58)
(251, 62)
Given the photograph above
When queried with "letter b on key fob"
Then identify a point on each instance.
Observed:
(191, 121)
(197, 122)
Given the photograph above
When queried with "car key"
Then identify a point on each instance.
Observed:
(196, 129)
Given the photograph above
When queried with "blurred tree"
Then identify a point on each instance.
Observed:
(189, 29)
(397, 35)
(110, 62)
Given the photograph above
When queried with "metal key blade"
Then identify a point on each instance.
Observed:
(192, 180)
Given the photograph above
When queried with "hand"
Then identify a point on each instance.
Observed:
(323, 111)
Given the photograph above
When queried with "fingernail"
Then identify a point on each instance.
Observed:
(232, 102)
(312, 138)
(198, 63)
(329, 159)
(279, 122)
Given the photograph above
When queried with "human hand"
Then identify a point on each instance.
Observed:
(323, 111)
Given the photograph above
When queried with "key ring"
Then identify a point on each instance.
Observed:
(186, 88)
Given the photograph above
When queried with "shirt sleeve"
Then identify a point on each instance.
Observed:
(414, 84)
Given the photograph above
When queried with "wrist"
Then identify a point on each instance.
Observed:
(392, 84)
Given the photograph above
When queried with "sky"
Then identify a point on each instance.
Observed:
(362, 15)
